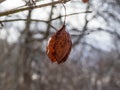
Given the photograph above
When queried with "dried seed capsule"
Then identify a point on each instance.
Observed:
(59, 46)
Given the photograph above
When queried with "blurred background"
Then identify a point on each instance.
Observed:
(94, 62)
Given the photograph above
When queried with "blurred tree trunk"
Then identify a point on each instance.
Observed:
(26, 84)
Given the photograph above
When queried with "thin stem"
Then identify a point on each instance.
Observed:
(65, 14)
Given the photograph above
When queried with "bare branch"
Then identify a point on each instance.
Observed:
(12, 20)
(13, 11)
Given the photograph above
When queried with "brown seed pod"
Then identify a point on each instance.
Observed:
(59, 46)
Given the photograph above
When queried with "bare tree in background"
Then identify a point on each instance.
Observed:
(25, 66)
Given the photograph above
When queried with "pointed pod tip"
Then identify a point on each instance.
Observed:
(62, 28)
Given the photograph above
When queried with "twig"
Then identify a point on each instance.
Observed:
(70, 15)
(13, 20)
